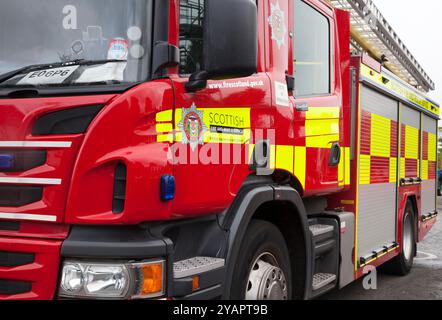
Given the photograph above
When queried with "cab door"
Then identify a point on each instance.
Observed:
(213, 126)
(317, 96)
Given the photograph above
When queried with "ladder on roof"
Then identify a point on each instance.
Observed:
(372, 33)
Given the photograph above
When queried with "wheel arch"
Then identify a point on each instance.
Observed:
(282, 206)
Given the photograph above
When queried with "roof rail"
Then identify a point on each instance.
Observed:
(372, 33)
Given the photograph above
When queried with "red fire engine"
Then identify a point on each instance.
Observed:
(200, 149)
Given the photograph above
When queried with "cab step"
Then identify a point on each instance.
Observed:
(198, 278)
(325, 234)
(196, 265)
(321, 280)
(322, 232)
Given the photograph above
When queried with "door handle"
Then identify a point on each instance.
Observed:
(335, 156)
(302, 107)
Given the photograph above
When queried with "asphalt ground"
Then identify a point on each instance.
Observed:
(423, 283)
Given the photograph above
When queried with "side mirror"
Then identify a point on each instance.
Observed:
(230, 41)
(230, 47)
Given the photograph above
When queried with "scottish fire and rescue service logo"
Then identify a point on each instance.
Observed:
(277, 23)
(192, 126)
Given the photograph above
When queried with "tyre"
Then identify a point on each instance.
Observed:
(262, 271)
(403, 263)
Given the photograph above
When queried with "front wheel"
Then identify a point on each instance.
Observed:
(403, 263)
(262, 271)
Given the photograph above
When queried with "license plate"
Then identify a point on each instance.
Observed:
(48, 76)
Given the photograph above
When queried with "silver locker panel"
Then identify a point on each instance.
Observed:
(377, 202)
(428, 201)
(376, 217)
(374, 102)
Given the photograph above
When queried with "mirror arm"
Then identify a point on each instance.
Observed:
(197, 81)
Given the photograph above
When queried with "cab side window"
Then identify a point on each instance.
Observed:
(312, 51)
(191, 35)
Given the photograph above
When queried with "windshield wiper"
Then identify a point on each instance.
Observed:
(36, 67)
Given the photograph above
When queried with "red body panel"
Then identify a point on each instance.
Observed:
(125, 131)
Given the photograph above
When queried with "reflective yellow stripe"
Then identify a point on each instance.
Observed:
(322, 127)
(341, 168)
(164, 127)
(165, 138)
(393, 170)
(347, 167)
(411, 143)
(164, 116)
(324, 142)
(380, 136)
(402, 173)
(300, 164)
(364, 170)
(424, 169)
(432, 147)
(322, 113)
(399, 89)
(284, 158)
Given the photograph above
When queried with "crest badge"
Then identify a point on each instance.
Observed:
(277, 23)
(192, 126)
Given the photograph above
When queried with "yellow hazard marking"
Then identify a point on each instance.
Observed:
(424, 169)
(165, 138)
(300, 164)
(164, 116)
(164, 127)
(432, 147)
(341, 169)
(380, 136)
(323, 113)
(323, 142)
(392, 85)
(347, 166)
(364, 169)
(393, 170)
(285, 158)
(411, 143)
(402, 168)
(322, 127)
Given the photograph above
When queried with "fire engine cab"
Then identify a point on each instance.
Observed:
(203, 149)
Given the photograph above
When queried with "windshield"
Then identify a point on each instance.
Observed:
(61, 33)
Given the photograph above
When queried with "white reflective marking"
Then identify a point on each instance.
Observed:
(35, 144)
(426, 256)
(26, 216)
(30, 181)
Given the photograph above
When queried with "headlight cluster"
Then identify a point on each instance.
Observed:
(139, 280)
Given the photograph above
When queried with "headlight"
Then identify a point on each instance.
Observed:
(112, 280)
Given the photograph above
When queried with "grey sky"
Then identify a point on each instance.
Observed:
(419, 25)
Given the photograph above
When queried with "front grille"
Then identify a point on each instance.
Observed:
(10, 287)
(24, 160)
(9, 226)
(17, 196)
(12, 259)
(30, 272)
